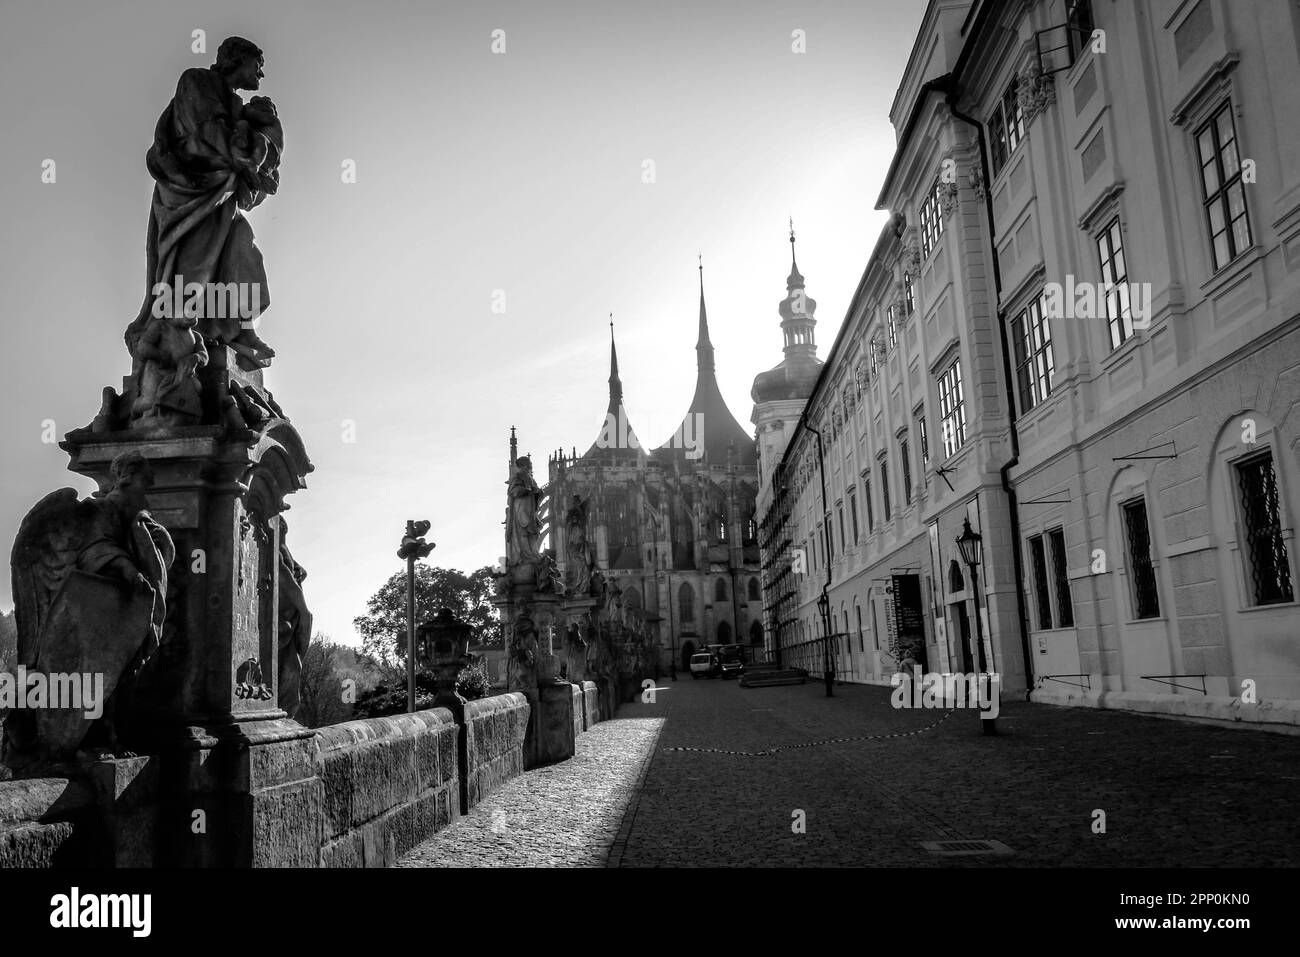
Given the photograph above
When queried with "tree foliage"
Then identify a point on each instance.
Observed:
(334, 677)
(468, 597)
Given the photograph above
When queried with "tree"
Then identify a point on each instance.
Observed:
(8, 641)
(468, 597)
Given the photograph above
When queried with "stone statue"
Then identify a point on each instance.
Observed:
(577, 552)
(90, 587)
(523, 522)
(294, 627)
(212, 157)
(548, 578)
(167, 359)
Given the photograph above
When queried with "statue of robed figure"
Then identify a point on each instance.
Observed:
(523, 518)
(90, 588)
(212, 158)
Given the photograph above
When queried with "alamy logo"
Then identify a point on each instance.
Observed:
(75, 910)
(1094, 300)
(934, 690)
(618, 434)
(207, 300)
(33, 690)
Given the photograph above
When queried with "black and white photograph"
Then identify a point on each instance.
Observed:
(724, 436)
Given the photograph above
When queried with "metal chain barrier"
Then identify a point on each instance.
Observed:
(816, 744)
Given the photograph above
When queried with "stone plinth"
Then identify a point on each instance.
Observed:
(206, 702)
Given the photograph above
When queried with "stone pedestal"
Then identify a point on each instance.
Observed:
(237, 779)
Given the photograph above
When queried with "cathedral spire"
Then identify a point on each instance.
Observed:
(615, 383)
(795, 280)
(703, 347)
(797, 309)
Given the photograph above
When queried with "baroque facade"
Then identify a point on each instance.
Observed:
(1080, 331)
(672, 529)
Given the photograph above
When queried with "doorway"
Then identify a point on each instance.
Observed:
(961, 626)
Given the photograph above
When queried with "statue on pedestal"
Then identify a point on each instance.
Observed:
(523, 520)
(294, 627)
(90, 587)
(577, 551)
(212, 158)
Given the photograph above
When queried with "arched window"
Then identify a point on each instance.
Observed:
(955, 580)
(686, 601)
(724, 633)
(755, 634)
(720, 590)
(753, 589)
(862, 646)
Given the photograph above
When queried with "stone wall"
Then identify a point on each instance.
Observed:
(386, 784)
(579, 711)
(389, 783)
(590, 705)
(494, 742)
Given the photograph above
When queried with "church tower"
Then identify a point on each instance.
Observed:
(780, 393)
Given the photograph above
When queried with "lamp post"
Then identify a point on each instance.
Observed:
(824, 605)
(968, 543)
(413, 546)
(444, 645)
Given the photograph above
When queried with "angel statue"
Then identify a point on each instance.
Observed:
(90, 588)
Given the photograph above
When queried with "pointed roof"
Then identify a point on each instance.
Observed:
(708, 432)
(617, 442)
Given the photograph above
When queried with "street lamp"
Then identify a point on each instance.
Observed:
(968, 544)
(824, 605)
(413, 546)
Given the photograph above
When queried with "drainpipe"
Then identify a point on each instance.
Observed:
(1013, 508)
(826, 525)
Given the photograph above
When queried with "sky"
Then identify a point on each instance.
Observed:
(483, 179)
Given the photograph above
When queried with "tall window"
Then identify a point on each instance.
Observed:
(1146, 603)
(753, 589)
(1114, 274)
(931, 220)
(1006, 126)
(686, 602)
(1061, 578)
(853, 512)
(871, 509)
(1221, 186)
(844, 544)
(923, 439)
(892, 315)
(874, 348)
(907, 468)
(1035, 366)
(720, 590)
(884, 488)
(1079, 26)
(1268, 570)
(909, 297)
(952, 408)
(1039, 556)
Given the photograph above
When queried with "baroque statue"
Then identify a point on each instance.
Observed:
(523, 520)
(577, 551)
(294, 627)
(90, 587)
(213, 158)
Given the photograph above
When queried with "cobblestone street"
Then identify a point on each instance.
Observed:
(1173, 793)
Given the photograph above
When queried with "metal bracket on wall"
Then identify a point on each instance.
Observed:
(1087, 679)
(943, 474)
(1142, 453)
(1162, 679)
(1046, 501)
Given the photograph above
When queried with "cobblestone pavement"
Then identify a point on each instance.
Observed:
(564, 815)
(1174, 793)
